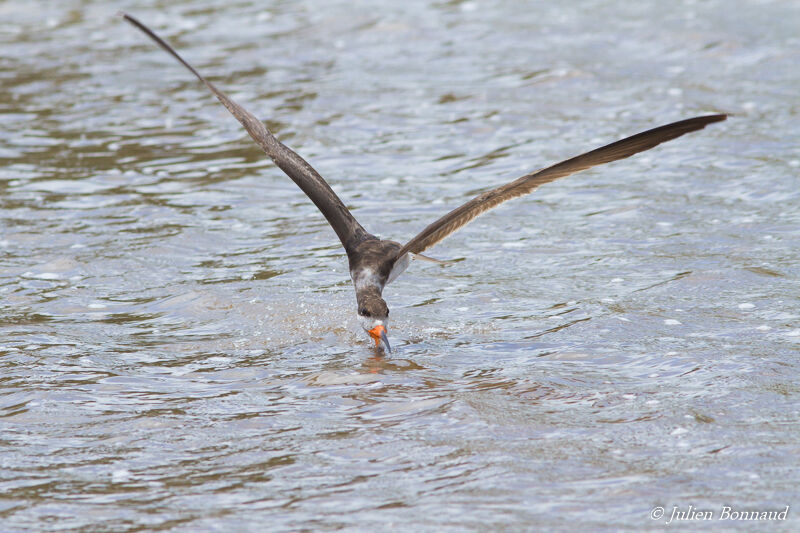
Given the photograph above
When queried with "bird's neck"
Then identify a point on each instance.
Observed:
(367, 292)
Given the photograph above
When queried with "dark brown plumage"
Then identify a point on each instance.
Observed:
(627, 147)
(374, 262)
(297, 168)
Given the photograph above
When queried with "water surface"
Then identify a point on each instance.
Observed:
(179, 349)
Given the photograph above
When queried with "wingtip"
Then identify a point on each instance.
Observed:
(130, 19)
(710, 119)
(703, 120)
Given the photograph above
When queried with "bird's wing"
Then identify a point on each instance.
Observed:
(297, 168)
(460, 216)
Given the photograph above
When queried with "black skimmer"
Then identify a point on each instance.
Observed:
(375, 262)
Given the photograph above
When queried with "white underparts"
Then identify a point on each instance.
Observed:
(368, 323)
(364, 278)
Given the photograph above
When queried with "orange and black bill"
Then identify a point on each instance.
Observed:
(378, 334)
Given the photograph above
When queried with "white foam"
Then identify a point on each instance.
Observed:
(120, 476)
(42, 275)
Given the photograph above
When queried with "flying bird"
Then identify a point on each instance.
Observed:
(376, 262)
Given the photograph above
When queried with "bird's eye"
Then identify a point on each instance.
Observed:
(363, 311)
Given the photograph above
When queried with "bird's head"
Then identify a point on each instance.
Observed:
(373, 315)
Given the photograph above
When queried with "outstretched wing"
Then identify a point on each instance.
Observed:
(297, 168)
(460, 216)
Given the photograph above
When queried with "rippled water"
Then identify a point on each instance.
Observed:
(177, 330)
